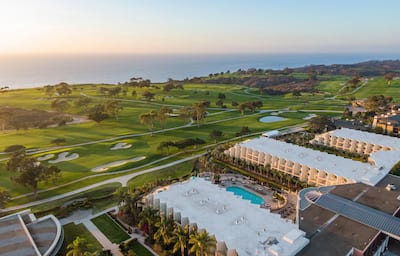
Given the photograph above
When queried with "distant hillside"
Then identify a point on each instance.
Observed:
(365, 69)
(302, 79)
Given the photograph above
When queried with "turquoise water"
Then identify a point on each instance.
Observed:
(246, 195)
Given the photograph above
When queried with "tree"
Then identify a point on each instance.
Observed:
(78, 247)
(201, 243)
(148, 218)
(168, 86)
(148, 95)
(98, 113)
(113, 107)
(63, 89)
(320, 124)
(180, 239)
(245, 130)
(60, 105)
(83, 103)
(148, 119)
(128, 203)
(389, 77)
(219, 103)
(378, 103)
(215, 135)
(49, 90)
(354, 81)
(30, 172)
(115, 91)
(185, 113)
(58, 141)
(163, 115)
(312, 75)
(200, 110)
(164, 231)
(165, 144)
(4, 197)
(4, 118)
(221, 96)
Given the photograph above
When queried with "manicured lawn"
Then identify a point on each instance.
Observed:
(71, 231)
(110, 228)
(139, 249)
(173, 172)
(92, 194)
(129, 124)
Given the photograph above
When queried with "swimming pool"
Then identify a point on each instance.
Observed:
(246, 195)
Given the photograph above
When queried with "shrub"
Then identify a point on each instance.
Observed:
(58, 141)
(14, 148)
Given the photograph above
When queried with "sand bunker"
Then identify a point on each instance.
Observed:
(121, 145)
(105, 167)
(309, 116)
(64, 156)
(46, 157)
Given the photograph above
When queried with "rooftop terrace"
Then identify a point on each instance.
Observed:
(241, 225)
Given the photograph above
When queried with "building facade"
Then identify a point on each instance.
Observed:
(311, 166)
(357, 141)
(389, 123)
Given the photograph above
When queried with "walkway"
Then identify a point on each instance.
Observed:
(103, 240)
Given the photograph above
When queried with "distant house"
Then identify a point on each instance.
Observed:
(390, 122)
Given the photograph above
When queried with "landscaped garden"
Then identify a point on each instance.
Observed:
(110, 228)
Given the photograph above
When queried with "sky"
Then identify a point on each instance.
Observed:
(198, 26)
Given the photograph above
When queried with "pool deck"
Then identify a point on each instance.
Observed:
(287, 209)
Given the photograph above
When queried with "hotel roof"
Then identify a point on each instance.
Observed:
(241, 225)
(23, 235)
(353, 170)
(368, 137)
(337, 234)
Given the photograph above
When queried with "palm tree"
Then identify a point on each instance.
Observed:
(149, 217)
(128, 202)
(201, 243)
(180, 239)
(78, 247)
(164, 231)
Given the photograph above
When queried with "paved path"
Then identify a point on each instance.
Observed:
(103, 240)
(122, 179)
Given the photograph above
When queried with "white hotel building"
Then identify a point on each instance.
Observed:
(315, 167)
(357, 141)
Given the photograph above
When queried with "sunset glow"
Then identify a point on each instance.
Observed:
(197, 26)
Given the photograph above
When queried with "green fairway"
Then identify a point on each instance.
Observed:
(379, 86)
(110, 229)
(93, 142)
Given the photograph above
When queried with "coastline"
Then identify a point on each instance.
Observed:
(30, 71)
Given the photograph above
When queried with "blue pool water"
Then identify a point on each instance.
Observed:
(246, 195)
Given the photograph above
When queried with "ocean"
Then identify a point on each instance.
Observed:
(23, 71)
